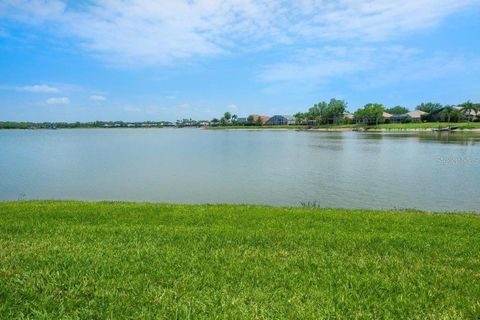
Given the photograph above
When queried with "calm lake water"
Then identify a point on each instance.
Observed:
(428, 171)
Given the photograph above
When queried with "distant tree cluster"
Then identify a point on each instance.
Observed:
(371, 113)
(397, 110)
(323, 113)
(74, 125)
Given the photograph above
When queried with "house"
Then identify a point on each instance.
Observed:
(340, 118)
(281, 120)
(416, 115)
(387, 116)
(167, 124)
(242, 120)
(470, 114)
(203, 123)
(263, 119)
(412, 116)
(374, 120)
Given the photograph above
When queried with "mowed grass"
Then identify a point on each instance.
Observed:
(428, 125)
(77, 260)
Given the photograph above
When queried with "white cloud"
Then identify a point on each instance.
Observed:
(162, 31)
(58, 100)
(98, 98)
(329, 62)
(366, 65)
(39, 88)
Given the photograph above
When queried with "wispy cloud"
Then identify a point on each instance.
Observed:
(38, 88)
(58, 101)
(366, 65)
(159, 32)
(98, 98)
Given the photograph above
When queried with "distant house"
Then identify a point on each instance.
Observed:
(374, 120)
(387, 116)
(215, 123)
(340, 118)
(203, 123)
(412, 116)
(242, 120)
(263, 119)
(280, 120)
(416, 115)
(470, 114)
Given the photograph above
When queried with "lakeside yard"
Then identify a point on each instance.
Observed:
(420, 126)
(127, 260)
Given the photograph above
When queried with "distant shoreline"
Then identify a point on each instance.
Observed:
(380, 128)
(408, 127)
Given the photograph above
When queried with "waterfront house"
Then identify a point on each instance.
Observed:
(387, 116)
(281, 120)
(412, 116)
(242, 120)
(263, 119)
(416, 116)
(203, 123)
(345, 117)
(470, 114)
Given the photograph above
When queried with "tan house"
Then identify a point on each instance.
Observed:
(387, 116)
(412, 116)
(469, 114)
(264, 119)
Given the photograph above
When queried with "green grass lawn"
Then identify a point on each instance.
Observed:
(78, 260)
(385, 126)
(428, 125)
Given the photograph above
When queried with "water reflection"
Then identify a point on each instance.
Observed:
(424, 170)
(456, 137)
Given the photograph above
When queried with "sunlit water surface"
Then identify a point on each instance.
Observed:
(428, 171)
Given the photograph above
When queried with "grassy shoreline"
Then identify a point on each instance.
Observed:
(464, 126)
(136, 260)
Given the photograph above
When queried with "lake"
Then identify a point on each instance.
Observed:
(428, 171)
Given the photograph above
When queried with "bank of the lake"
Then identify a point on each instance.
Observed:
(424, 126)
(137, 260)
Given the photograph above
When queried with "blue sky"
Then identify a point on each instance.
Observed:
(165, 60)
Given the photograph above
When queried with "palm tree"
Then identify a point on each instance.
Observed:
(452, 113)
(448, 112)
(469, 109)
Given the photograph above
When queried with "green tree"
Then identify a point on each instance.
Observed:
(429, 107)
(227, 116)
(397, 110)
(335, 110)
(317, 112)
(370, 113)
(469, 109)
(251, 119)
(299, 117)
(449, 113)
